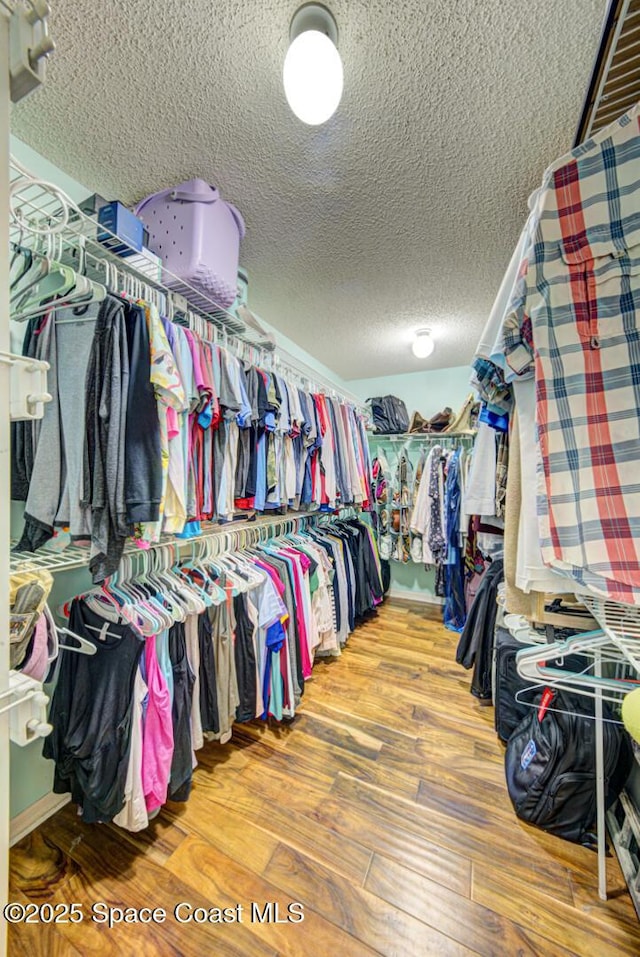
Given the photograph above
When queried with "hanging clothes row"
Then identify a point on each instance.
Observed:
(420, 516)
(182, 653)
(167, 430)
(440, 526)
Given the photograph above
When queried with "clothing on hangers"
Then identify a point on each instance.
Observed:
(170, 431)
(258, 619)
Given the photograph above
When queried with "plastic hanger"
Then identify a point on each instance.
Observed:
(175, 608)
(151, 622)
(152, 603)
(85, 292)
(37, 271)
(84, 647)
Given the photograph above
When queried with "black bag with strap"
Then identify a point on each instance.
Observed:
(390, 416)
(550, 766)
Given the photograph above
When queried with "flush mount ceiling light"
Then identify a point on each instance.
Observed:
(422, 345)
(312, 73)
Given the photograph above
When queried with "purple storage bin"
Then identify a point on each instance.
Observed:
(197, 235)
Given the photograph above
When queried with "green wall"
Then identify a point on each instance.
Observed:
(427, 392)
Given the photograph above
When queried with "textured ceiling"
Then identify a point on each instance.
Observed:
(402, 211)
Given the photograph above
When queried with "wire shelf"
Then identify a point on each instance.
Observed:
(621, 623)
(434, 438)
(46, 220)
(74, 557)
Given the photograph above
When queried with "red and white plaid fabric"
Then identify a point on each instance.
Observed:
(573, 320)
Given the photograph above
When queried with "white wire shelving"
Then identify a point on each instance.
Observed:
(229, 536)
(46, 220)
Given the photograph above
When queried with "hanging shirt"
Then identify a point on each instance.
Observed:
(170, 395)
(133, 816)
(157, 751)
(573, 320)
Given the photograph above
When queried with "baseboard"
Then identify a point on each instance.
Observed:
(25, 822)
(405, 594)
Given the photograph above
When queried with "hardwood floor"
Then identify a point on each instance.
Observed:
(382, 809)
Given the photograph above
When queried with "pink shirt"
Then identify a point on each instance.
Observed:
(157, 738)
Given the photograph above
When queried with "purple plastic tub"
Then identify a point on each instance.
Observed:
(197, 235)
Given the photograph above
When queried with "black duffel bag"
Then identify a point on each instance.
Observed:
(389, 415)
(550, 766)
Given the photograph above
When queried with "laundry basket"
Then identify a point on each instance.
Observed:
(197, 235)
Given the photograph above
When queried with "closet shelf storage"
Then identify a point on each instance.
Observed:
(222, 635)
(47, 221)
(446, 439)
(417, 498)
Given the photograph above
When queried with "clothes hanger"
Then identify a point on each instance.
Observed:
(38, 270)
(111, 592)
(84, 647)
(166, 593)
(184, 600)
(149, 594)
(205, 566)
(84, 293)
(64, 611)
(26, 256)
(154, 617)
(531, 663)
(238, 584)
(194, 598)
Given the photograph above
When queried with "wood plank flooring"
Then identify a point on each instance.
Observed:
(382, 809)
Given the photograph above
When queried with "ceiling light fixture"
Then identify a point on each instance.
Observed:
(312, 73)
(422, 345)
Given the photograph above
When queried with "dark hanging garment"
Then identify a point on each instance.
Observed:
(475, 647)
(143, 459)
(22, 447)
(385, 569)
(106, 413)
(91, 713)
(455, 607)
(246, 669)
(208, 687)
(183, 681)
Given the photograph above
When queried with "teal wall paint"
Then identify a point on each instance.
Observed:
(43, 169)
(427, 392)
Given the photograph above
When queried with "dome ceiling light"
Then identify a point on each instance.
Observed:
(423, 344)
(312, 73)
